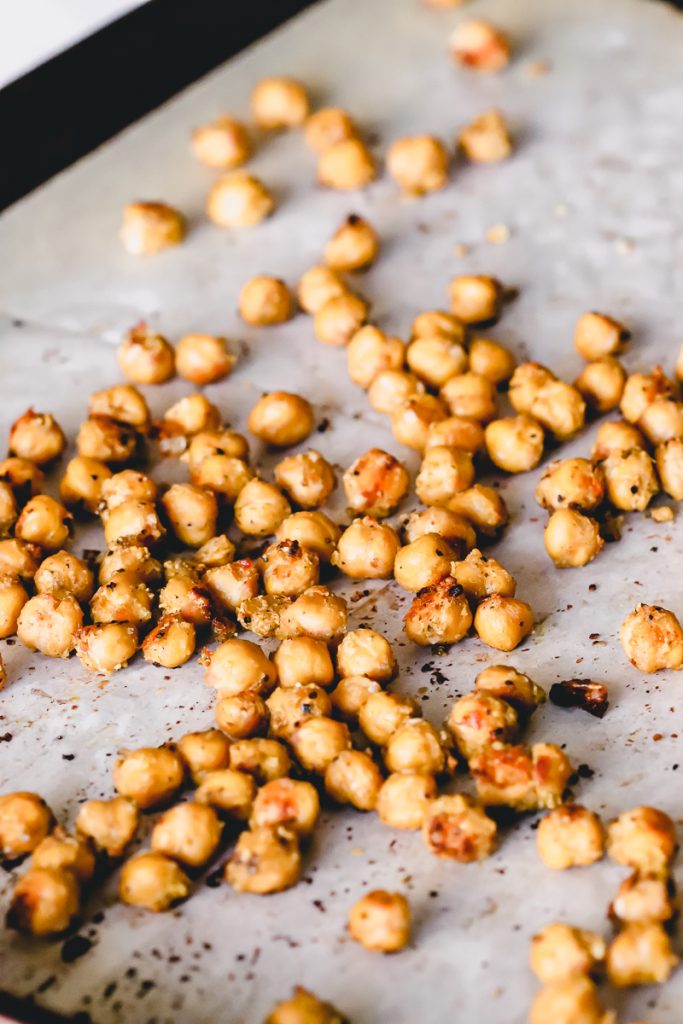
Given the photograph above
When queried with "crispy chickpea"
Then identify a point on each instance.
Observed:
(476, 299)
(203, 358)
(560, 408)
(640, 954)
(486, 139)
(601, 383)
(353, 778)
(313, 530)
(444, 471)
(222, 474)
(265, 860)
(415, 747)
(109, 824)
(182, 596)
(81, 486)
(8, 508)
(404, 799)
(479, 719)
(308, 478)
(62, 852)
(317, 286)
(304, 1008)
(43, 521)
(216, 552)
(490, 359)
(204, 752)
(237, 666)
(411, 420)
(643, 898)
(25, 821)
(106, 440)
(188, 833)
(289, 706)
(480, 46)
(439, 614)
(351, 693)
(289, 569)
(260, 508)
(572, 1000)
(191, 512)
(122, 403)
(423, 562)
(229, 791)
(149, 227)
(381, 921)
(573, 483)
(223, 143)
(23, 476)
(367, 550)
(317, 613)
(63, 573)
(455, 828)
(127, 485)
(337, 320)
(264, 301)
(503, 622)
(383, 714)
(470, 395)
(481, 576)
(354, 245)
(13, 597)
(375, 483)
(456, 432)
(418, 164)
(18, 558)
(192, 414)
(643, 838)
(615, 437)
(146, 357)
(515, 444)
(278, 103)
(669, 462)
(149, 776)
(597, 335)
(652, 639)
(454, 529)
(153, 881)
(133, 522)
(643, 388)
(106, 648)
(570, 836)
(515, 687)
(630, 479)
(346, 165)
(525, 384)
(523, 779)
(289, 803)
(44, 902)
(123, 599)
(560, 951)
(328, 126)
(281, 419)
(318, 740)
(662, 420)
(239, 200)
(571, 538)
(215, 442)
(230, 585)
(369, 352)
(49, 625)
(390, 388)
(171, 643)
(305, 660)
(437, 323)
(264, 759)
(37, 437)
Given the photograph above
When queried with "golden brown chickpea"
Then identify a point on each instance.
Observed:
(122, 403)
(127, 485)
(481, 576)
(231, 585)
(317, 613)
(560, 408)
(36, 437)
(153, 881)
(669, 462)
(123, 599)
(410, 422)
(456, 432)
(192, 414)
(265, 860)
(351, 693)
(289, 706)
(228, 791)
(630, 479)
(390, 388)
(492, 360)
(149, 227)
(133, 522)
(313, 530)
(278, 103)
(63, 574)
(515, 444)
(281, 419)
(145, 357)
(652, 639)
(222, 474)
(346, 165)
(353, 246)
(643, 838)
(601, 383)
(486, 139)
(106, 648)
(570, 1001)
(573, 483)
(13, 597)
(305, 660)
(264, 759)
(106, 440)
(571, 538)
(364, 652)
(260, 508)
(476, 299)
(262, 614)
(110, 824)
(25, 821)
(415, 747)
(525, 384)
(191, 512)
(81, 486)
(203, 358)
(149, 776)
(404, 799)
(479, 719)
(204, 752)
(437, 323)
(615, 437)
(49, 625)
(289, 569)
(455, 828)
(286, 802)
(503, 622)
(353, 778)
(171, 643)
(383, 714)
(518, 689)
(223, 143)
(480, 46)
(568, 837)
(641, 954)
(470, 395)
(375, 483)
(308, 478)
(381, 921)
(17, 558)
(454, 529)
(418, 164)
(237, 666)
(560, 952)
(328, 126)
(444, 471)
(662, 420)
(367, 550)
(317, 286)
(643, 898)
(44, 902)
(641, 389)
(239, 200)
(8, 508)
(318, 740)
(43, 521)
(513, 776)
(304, 1008)
(264, 301)
(423, 562)
(338, 319)
(217, 551)
(188, 833)
(215, 442)
(23, 476)
(62, 852)
(439, 614)
(182, 596)
(370, 352)
(597, 335)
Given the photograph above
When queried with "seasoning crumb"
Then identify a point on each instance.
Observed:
(460, 250)
(498, 234)
(536, 68)
(662, 514)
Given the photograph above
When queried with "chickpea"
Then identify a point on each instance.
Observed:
(18, 558)
(8, 508)
(264, 759)
(559, 408)
(644, 898)
(127, 485)
(289, 706)
(25, 820)
(203, 358)
(518, 689)
(317, 286)
(573, 483)
(81, 486)
(239, 200)
(133, 522)
(264, 301)
(145, 357)
(304, 1008)
(601, 383)
(652, 639)
(188, 833)
(560, 952)
(481, 576)
(123, 599)
(281, 419)
(381, 921)
(317, 613)
(479, 719)
(265, 860)
(669, 462)
(640, 954)
(615, 437)
(678, 370)
(223, 143)
(411, 421)
(476, 299)
(237, 666)
(370, 352)
(313, 530)
(171, 643)
(454, 529)
(367, 550)
(63, 574)
(223, 475)
(515, 444)
(523, 779)
(597, 335)
(351, 693)
(662, 420)
(444, 471)
(570, 836)
(525, 384)
(192, 414)
(455, 828)
(262, 614)
(353, 778)
(122, 403)
(404, 800)
(573, 1000)
(572, 539)
(418, 164)
(439, 614)
(23, 476)
(289, 803)
(43, 521)
(503, 622)
(13, 597)
(192, 513)
(260, 508)
(37, 437)
(110, 824)
(278, 103)
(643, 838)
(149, 227)
(480, 46)
(153, 881)
(307, 478)
(182, 596)
(231, 585)
(641, 389)
(346, 165)
(390, 388)
(106, 440)
(353, 246)
(630, 479)
(337, 320)
(44, 902)
(204, 752)
(216, 552)
(304, 660)
(383, 714)
(437, 323)
(415, 747)
(215, 442)
(364, 652)
(49, 625)
(486, 139)
(149, 776)
(375, 483)
(318, 740)
(423, 562)
(490, 359)
(62, 852)
(327, 127)
(106, 648)
(229, 791)
(470, 395)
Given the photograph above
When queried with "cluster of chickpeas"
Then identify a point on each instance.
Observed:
(567, 960)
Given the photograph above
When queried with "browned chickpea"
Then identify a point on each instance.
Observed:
(640, 954)
(188, 833)
(149, 776)
(525, 384)
(410, 422)
(364, 652)
(383, 714)
(492, 360)
(81, 486)
(123, 599)
(37, 437)
(415, 748)
(106, 648)
(662, 420)
(243, 716)
(231, 585)
(317, 286)
(278, 103)
(652, 639)
(390, 388)
(110, 824)
(171, 643)
(404, 799)
(470, 395)
(122, 403)
(106, 440)
(63, 574)
(222, 474)
(17, 558)
(203, 358)
(215, 442)
(347, 164)
(286, 802)
(480, 46)
(44, 902)
(513, 776)
(615, 437)
(437, 323)
(328, 126)
(571, 538)
(313, 530)
(573, 483)
(62, 852)
(454, 529)
(597, 335)
(153, 881)
(381, 921)
(305, 660)
(192, 414)
(317, 613)
(231, 792)
(191, 512)
(439, 614)
(669, 462)
(572, 1000)
(483, 506)
(145, 357)
(265, 860)
(239, 200)
(49, 625)
(25, 820)
(481, 576)
(503, 622)
(601, 383)
(149, 227)
(560, 408)
(455, 828)
(23, 476)
(643, 838)
(289, 706)
(127, 485)
(8, 508)
(133, 522)
(642, 898)
(643, 388)
(370, 352)
(281, 419)
(182, 596)
(456, 432)
(43, 521)
(444, 471)
(476, 299)
(367, 550)
(560, 951)
(353, 778)
(223, 143)
(423, 562)
(304, 1008)
(479, 719)
(262, 614)
(375, 483)
(515, 444)
(518, 689)
(264, 759)
(13, 597)
(318, 740)
(204, 752)
(486, 139)
(337, 320)
(264, 301)
(308, 478)
(289, 569)
(217, 551)
(570, 836)
(260, 508)
(418, 164)
(630, 479)
(237, 666)
(351, 693)
(353, 246)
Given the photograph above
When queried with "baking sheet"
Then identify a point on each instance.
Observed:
(592, 198)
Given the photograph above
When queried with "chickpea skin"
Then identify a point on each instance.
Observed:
(237, 666)
(381, 921)
(476, 299)
(150, 776)
(44, 902)
(109, 824)
(479, 719)
(630, 479)
(574, 483)
(204, 752)
(444, 471)
(643, 838)
(36, 437)
(81, 486)
(572, 539)
(346, 165)
(601, 383)
(560, 952)
(328, 126)
(43, 521)
(239, 200)
(640, 954)
(367, 550)
(307, 478)
(281, 419)
(453, 528)
(203, 358)
(149, 227)
(369, 352)
(229, 791)
(145, 357)
(317, 613)
(313, 530)
(222, 144)
(375, 483)
(570, 836)
(188, 833)
(49, 625)
(614, 437)
(289, 569)
(486, 139)
(416, 748)
(573, 1000)
(515, 444)
(353, 246)
(171, 643)
(353, 778)
(337, 320)
(404, 800)
(435, 359)
(455, 828)
(260, 508)
(480, 46)
(153, 881)
(669, 462)
(265, 860)
(318, 741)
(470, 395)
(439, 614)
(383, 714)
(418, 164)
(503, 622)
(264, 301)
(411, 420)
(304, 1008)
(278, 103)
(423, 562)
(13, 597)
(317, 286)
(289, 803)
(25, 821)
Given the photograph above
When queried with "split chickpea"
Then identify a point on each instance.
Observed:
(480, 46)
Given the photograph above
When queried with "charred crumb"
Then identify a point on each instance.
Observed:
(581, 693)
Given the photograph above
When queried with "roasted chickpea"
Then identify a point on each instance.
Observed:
(281, 419)
(25, 821)
(643, 388)
(439, 614)
(503, 622)
(523, 779)
(475, 299)
(415, 747)
(153, 881)
(652, 639)
(81, 486)
(289, 569)
(353, 778)
(289, 803)
(313, 530)
(560, 408)
(62, 852)
(222, 474)
(264, 301)
(410, 422)
(8, 508)
(265, 860)
(367, 550)
(479, 719)
(149, 776)
(230, 585)
(203, 358)
(229, 791)
(23, 476)
(262, 614)
(317, 286)
(404, 799)
(643, 898)
(375, 483)
(423, 562)
(454, 529)
(601, 383)
(456, 432)
(43, 521)
(515, 444)
(486, 139)
(106, 648)
(106, 440)
(630, 479)
(328, 126)
(305, 660)
(260, 508)
(640, 954)
(437, 323)
(383, 714)
(171, 643)
(570, 836)
(110, 824)
(515, 687)
(525, 384)
(145, 357)
(337, 320)
(223, 143)
(216, 552)
(572, 1000)
(318, 740)
(317, 613)
(204, 752)
(239, 200)
(304, 1008)
(37, 437)
(278, 103)
(669, 462)
(364, 652)
(573, 483)
(662, 420)
(480, 46)
(191, 512)
(370, 352)
(353, 246)
(18, 558)
(127, 485)
(481, 576)
(643, 838)
(192, 414)
(455, 828)
(13, 597)
(560, 952)
(381, 921)
(215, 442)
(182, 596)
(418, 164)
(63, 574)
(597, 335)
(133, 523)
(123, 599)
(390, 388)
(347, 164)
(49, 624)
(44, 902)
(149, 227)
(470, 395)
(351, 693)
(615, 437)
(444, 471)
(264, 759)
(237, 666)
(289, 706)
(122, 403)
(490, 359)
(571, 538)
(308, 478)
(188, 833)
